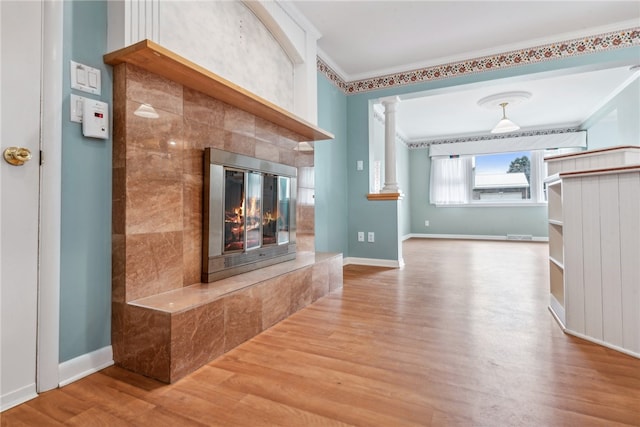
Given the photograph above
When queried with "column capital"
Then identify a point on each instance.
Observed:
(389, 100)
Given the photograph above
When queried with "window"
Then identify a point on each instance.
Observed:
(501, 178)
(504, 176)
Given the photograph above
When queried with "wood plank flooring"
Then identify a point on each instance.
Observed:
(460, 337)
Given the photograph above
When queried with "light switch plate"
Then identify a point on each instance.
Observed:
(85, 78)
(75, 108)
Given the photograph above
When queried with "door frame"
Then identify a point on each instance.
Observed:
(48, 326)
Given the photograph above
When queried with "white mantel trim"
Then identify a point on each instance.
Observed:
(130, 21)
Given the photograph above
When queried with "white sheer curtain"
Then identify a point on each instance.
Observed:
(450, 182)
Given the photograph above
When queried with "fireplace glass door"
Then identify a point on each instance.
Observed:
(250, 217)
(257, 209)
(270, 209)
(254, 210)
(233, 210)
(284, 200)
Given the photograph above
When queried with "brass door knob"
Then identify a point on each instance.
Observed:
(17, 155)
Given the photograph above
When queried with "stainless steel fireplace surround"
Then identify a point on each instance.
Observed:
(249, 221)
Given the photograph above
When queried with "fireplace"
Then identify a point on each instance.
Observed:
(250, 215)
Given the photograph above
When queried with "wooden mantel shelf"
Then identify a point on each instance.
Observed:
(158, 60)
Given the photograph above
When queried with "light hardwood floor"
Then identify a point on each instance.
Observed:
(460, 336)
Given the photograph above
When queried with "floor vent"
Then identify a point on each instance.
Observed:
(519, 237)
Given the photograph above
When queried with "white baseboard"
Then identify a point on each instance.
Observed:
(374, 262)
(557, 310)
(16, 397)
(469, 237)
(603, 343)
(87, 364)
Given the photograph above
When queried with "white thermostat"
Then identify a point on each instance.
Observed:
(95, 119)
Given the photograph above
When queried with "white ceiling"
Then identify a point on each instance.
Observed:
(556, 102)
(362, 39)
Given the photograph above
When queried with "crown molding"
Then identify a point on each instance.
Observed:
(328, 71)
(495, 50)
(331, 64)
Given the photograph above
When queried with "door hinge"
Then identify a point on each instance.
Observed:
(41, 158)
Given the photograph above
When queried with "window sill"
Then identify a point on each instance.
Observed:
(494, 205)
(384, 196)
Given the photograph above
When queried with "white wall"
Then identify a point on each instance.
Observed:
(221, 35)
(376, 145)
(618, 122)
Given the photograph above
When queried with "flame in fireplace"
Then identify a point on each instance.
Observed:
(254, 210)
(253, 216)
(240, 210)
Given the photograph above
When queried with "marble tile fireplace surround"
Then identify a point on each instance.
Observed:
(165, 322)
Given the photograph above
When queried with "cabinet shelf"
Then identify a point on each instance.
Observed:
(557, 263)
(554, 197)
(556, 243)
(556, 276)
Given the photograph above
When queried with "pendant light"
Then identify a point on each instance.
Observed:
(501, 100)
(504, 125)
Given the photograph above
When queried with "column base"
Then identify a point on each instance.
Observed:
(390, 188)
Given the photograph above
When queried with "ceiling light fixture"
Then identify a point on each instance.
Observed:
(146, 111)
(501, 100)
(504, 125)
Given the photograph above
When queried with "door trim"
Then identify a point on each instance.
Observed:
(48, 329)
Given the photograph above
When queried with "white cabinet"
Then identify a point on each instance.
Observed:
(594, 248)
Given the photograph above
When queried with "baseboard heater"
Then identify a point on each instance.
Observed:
(519, 237)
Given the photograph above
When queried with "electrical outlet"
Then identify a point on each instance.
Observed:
(371, 237)
(360, 236)
(426, 222)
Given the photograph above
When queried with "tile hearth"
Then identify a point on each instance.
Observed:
(172, 334)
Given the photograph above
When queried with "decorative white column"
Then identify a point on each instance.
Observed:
(390, 182)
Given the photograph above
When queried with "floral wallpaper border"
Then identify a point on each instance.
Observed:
(581, 46)
(426, 143)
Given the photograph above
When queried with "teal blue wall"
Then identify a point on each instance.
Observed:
(403, 173)
(479, 221)
(379, 217)
(331, 190)
(617, 122)
(85, 277)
